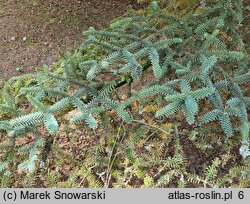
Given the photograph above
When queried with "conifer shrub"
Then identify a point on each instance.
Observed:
(199, 71)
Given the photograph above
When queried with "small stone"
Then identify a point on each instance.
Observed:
(24, 38)
(12, 38)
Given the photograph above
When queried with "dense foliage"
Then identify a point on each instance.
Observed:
(197, 67)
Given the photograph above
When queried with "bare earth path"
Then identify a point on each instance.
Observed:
(33, 31)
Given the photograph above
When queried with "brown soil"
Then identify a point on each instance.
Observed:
(33, 31)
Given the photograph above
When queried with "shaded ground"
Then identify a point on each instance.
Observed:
(33, 31)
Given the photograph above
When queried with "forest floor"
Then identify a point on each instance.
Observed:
(32, 32)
